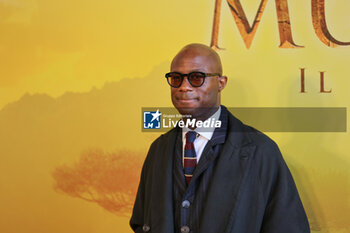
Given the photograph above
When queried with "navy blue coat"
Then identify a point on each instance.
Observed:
(252, 190)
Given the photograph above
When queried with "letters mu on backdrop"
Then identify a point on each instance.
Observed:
(247, 32)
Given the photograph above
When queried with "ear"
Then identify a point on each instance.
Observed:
(222, 80)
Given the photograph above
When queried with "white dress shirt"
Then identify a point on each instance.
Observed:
(202, 137)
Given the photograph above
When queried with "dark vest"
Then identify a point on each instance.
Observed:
(189, 199)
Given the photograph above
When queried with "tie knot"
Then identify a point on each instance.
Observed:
(190, 136)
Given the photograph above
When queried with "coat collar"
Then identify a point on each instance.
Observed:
(231, 128)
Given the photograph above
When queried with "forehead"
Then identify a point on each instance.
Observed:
(186, 64)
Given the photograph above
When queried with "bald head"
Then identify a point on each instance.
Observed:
(198, 101)
(198, 54)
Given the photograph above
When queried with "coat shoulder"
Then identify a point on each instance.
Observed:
(268, 160)
(160, 143)
(250, 135)
(266, 152)
(164, 138)
(260, 139)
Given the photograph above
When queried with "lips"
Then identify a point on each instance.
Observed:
(187, 100)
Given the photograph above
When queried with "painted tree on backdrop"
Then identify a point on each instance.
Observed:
(107, 179)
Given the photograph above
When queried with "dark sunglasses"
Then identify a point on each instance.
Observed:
(196, 78)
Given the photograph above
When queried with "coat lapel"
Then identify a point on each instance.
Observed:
(208, 154)
(227, 179)
(178, 172)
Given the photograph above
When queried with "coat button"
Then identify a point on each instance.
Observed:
(186, 204)
(185, 229)
(146, 228)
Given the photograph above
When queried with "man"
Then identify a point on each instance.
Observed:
(231, 179)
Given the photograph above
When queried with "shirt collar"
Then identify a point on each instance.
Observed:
(208, 132)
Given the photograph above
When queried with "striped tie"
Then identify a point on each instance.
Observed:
(190, 158)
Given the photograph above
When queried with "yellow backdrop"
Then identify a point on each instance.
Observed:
(74, 76)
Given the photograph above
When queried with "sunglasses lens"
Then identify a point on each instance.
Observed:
(174, 79)
(196, 78)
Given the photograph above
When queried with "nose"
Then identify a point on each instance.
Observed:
(185, 85)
